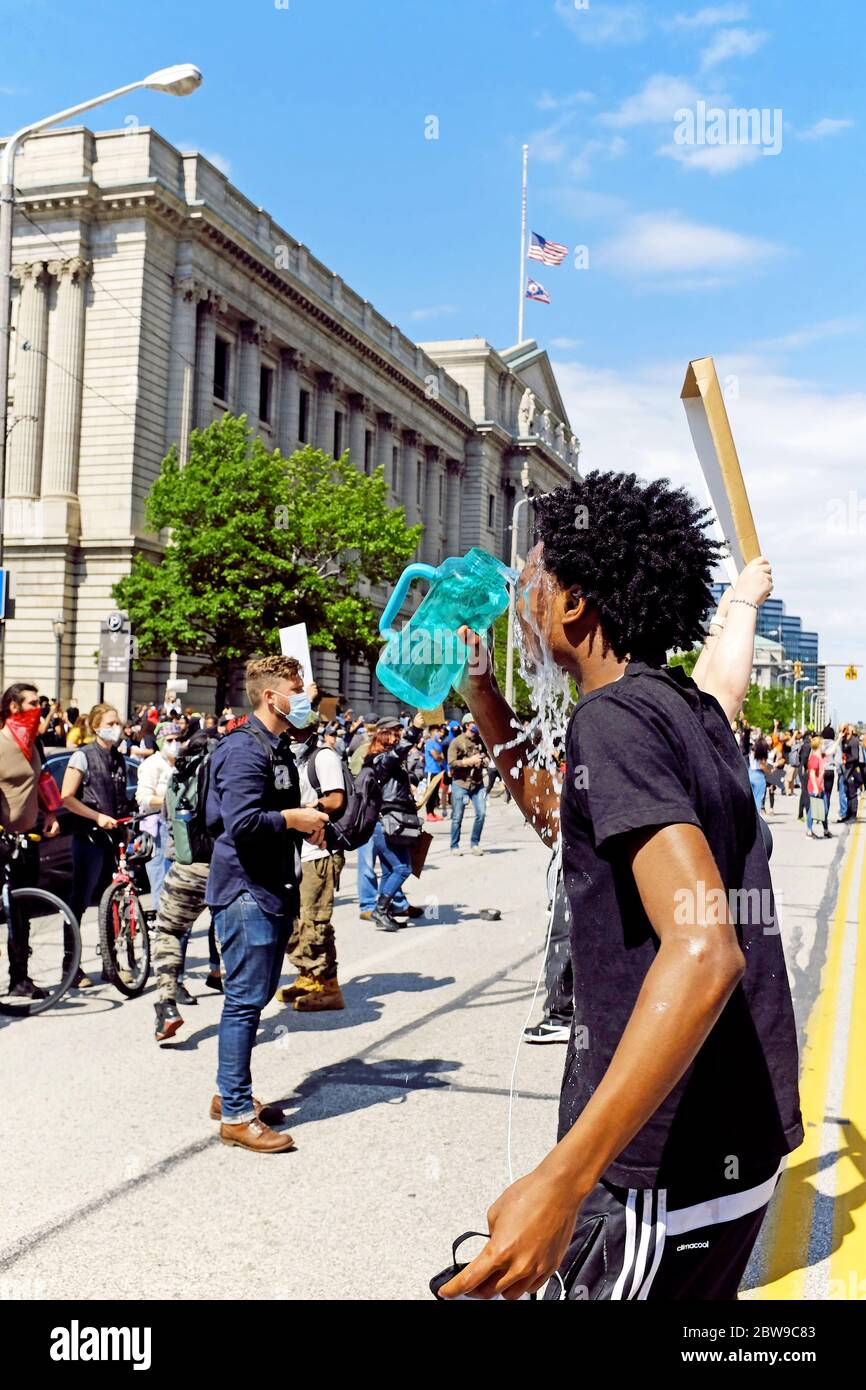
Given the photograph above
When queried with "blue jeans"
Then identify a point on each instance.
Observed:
(759, 786)
(252, 943)
(157, 865)
(843, 795)
(369, 888)
(459, 797)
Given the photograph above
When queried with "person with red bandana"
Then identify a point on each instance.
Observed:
(27, 804)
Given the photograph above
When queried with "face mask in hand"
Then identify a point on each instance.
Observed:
(111, 733)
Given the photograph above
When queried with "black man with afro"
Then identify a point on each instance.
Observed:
(679, 1100)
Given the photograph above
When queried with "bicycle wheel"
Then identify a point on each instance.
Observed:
(43, 942)
(124, 939)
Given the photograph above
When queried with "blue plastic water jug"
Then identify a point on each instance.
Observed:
(421, 662)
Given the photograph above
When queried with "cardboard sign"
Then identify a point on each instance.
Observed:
(430, 791)
(293, 642)
(419, 852)
(717, 455)
(327, 707)
(434, 716)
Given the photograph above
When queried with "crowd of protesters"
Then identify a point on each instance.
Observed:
(808, 765)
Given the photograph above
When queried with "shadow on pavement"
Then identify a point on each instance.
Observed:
(345, 1087)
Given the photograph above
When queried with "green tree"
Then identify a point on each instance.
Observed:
(688, 660)
(257, 542)
(761, 707)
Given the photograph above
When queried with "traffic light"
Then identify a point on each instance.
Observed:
(798, 670)
(851, 673)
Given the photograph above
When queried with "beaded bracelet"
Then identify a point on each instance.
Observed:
(746, 601)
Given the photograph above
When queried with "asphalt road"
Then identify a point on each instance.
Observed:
(115, 1185)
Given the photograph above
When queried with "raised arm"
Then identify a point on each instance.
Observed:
(728, 667)
(532, 789)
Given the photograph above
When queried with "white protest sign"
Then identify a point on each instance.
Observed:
(293, 642)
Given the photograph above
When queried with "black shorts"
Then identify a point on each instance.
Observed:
(648, 1243)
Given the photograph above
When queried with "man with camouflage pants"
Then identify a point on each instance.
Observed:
(181, 902)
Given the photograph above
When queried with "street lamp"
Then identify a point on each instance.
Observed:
(177, 81)
(59, 628)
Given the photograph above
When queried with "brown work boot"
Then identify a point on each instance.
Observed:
(268, 1114)
(326, 995)
(301, 985)
(256, 1136)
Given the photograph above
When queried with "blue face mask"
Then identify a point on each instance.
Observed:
(299, 711)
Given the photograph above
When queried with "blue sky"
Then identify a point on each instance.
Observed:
(318, 112)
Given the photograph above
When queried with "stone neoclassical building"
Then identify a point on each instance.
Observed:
(151, 296)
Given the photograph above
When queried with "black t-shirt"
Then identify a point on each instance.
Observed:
(652, 750)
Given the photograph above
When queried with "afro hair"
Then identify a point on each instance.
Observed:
(640, 554)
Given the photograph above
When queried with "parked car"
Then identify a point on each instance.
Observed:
(55, 855)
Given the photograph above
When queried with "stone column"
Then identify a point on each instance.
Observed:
(27, 419)
(63, 380)
(212, 305)
(433, 523)
(385, 450)
(357, 430)
(409, 487)
(249, 370)
(452, 507)
(181, 387)
(324, 435)
(290, 401)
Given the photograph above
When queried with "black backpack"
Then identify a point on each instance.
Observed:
(186, 803)
(357, 820)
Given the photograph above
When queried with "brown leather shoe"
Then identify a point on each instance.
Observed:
(268, 1114)
(257, 1137)
(326, 994)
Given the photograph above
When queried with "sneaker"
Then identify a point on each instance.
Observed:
(828, 835)
(168, 1020)
(455, 849)
(431, 816)
(476, 849)
(81, 981)
(547, 1032)
(183, 994)
(366, 916)
(214, 980)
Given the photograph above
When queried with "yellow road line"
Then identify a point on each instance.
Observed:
(848, 1260)
(790, 1229)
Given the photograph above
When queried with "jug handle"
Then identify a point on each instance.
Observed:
(397, 599)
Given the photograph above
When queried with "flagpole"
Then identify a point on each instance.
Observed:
(521, 303)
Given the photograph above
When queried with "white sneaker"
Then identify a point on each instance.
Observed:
(457, 851)
(476, 849)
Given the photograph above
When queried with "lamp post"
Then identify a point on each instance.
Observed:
(59, 628)
(178, 81)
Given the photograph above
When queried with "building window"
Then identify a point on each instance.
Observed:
(221, 360)
(338, 433)
(303, 416)
(368, 451)
(491, 510)
(266, 394)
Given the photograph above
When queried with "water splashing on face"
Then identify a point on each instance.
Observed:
(548, 684)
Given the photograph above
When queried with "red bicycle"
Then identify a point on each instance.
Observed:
(124, 937)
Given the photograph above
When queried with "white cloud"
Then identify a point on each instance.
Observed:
(551, 143)
(812, 333)
(596, 149)
(598, 23)
(218, 161)
(566, 344)
(656, 102)
(800, 448)
(826, 126)
(435, 311)
(653, 246)
(732, 43)
(712, 159)
(548, 102)
(710, 16)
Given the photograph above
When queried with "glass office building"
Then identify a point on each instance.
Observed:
(779, 626)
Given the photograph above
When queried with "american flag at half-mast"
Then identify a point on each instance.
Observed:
(537, 292)
(550, 252)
